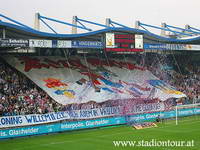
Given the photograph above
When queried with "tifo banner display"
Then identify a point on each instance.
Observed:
(171, 47)
(14, 43)
(25, 120)
(81, 80)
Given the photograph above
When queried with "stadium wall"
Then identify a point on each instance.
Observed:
(85, 124)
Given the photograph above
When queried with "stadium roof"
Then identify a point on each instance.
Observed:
(21, 31)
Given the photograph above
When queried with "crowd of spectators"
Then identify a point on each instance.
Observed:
(19, 95)
(180, 71)
(186, 78)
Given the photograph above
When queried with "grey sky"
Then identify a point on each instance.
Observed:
(173, 12)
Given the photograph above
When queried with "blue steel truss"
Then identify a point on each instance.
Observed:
(89, 22)
(184, 30)
(21, 27)
(113, 23)
(168, 28)
(15, 22)
(61, 22)
(194, 29)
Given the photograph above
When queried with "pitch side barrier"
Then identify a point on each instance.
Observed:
(86, 124)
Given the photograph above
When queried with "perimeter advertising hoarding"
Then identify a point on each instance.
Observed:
(64, 44)
(14, 43)
(75, 125)
(124, 42)
(40, 43)
(87, 44)
(149, 46)
(61, 44)
(57, 127)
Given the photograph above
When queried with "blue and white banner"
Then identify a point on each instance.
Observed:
(57, 127)
(33, 119)
(68, 126)
(168, 114)
(64, 44)
(24, 120)
(61, 44)
(171, 47)
(92, 123)
(87, 44)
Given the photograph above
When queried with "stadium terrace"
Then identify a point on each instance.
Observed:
(117, 75)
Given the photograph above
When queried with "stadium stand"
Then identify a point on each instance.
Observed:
(52, 82)
(20, 96)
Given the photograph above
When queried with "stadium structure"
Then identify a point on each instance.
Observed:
(52, 82)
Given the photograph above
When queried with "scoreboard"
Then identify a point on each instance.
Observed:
(124, 42)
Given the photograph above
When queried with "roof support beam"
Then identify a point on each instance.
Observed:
(121, 25)
(90, 22)
(14, 21)
(4, 33)
(62, 22)
(37, 22)
(165, 28)
(74, 22)
(48, 26)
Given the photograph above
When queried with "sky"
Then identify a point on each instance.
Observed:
(173, 12)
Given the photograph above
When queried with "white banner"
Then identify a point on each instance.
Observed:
(24, 120)
(138, 41)
(64, 44)
(110, 40)
(192, 47)
(33, 119)
(40, 43)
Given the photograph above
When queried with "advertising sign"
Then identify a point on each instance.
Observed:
(110, 40)
(171, 47)
(87, 44)
(64, 44)
(139, 41)
(40, 43)
(84, 124)
(57, 127)
(14, 43)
